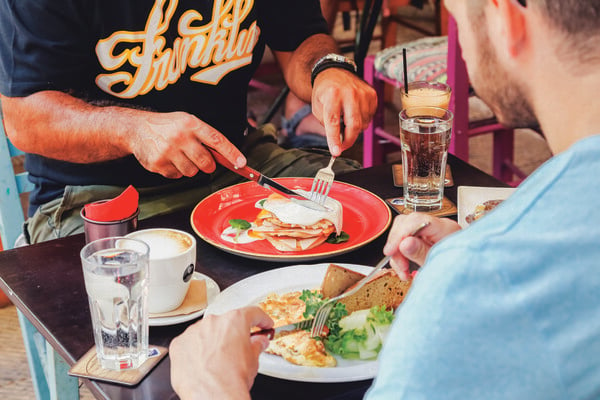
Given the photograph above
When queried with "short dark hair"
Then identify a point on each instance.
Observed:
(573, 17)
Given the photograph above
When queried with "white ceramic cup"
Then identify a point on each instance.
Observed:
(172, 263)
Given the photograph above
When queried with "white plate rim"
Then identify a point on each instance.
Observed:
(212, 291)
(303, 276)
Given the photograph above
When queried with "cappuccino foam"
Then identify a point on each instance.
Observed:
(164, 243)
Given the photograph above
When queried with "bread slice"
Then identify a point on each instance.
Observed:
(337, 279)
(385, 288)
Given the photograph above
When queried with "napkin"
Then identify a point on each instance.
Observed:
(121, 207)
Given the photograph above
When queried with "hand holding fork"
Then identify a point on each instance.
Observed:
(323, 312)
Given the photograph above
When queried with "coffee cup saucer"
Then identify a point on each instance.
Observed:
(212, 290)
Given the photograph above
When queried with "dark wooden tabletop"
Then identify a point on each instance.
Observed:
(46, 283)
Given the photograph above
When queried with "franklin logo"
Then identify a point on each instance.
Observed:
(214, 48)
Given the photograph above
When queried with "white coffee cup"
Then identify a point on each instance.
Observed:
(172, 263)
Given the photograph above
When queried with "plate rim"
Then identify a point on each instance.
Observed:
(292, 257)
(365, 370)
(211, 287)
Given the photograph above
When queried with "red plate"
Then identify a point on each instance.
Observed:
(366, 217)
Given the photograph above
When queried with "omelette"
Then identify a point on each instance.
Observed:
(297, 347)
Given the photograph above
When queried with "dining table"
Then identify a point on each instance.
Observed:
(45, 282)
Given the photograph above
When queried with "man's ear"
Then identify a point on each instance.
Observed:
(511, 24)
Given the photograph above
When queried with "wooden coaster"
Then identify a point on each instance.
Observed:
(89, 367)
(399, 179)
(448, 207)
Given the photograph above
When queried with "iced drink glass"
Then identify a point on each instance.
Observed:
(426, 94)
(115, 271)
(425, 136)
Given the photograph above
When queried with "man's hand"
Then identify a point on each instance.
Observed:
(404, 248)
(216, 358)
(337, 94)
(172, 144)
(60, 126)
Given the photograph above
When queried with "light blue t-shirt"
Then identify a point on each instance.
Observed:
(509, 308)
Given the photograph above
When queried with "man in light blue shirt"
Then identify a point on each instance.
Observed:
(508, 308)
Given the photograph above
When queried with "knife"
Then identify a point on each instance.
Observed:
(264, 181)
(270, 333)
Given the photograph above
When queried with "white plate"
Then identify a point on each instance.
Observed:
(212, 290)
(470, 197)
(254, 289)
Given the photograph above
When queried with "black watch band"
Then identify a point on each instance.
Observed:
(331, 61)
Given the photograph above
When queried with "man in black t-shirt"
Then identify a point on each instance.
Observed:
(104, 93)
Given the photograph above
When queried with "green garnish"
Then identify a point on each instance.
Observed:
(314, 300)
(356, 336)
(337, 239)
(239, 225)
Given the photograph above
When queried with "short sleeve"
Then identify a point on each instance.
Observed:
(286, 24)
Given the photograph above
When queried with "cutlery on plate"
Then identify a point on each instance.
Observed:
(323, 312)
(270, 333)
(322, 183)
(264, 181)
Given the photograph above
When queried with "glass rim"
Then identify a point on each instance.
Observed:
(403, 114)
(443, 87)
(136, 248)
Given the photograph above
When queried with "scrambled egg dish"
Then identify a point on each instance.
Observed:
(297, 347)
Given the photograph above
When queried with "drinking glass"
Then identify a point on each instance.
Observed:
(115, 271)
(425, 136)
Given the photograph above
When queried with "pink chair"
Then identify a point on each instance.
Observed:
(435, 58)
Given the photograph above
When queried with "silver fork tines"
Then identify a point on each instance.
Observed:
(322, 183)
(325, 309)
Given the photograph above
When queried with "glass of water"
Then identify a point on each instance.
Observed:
(425, 134)
(115, 271)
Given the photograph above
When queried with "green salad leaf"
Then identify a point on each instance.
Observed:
(239, 225)
(337, 239)
(361, 334)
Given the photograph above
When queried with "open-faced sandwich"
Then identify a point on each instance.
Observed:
(287, 225)
(482, 209)
(356, 327)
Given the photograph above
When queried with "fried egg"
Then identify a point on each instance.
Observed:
(293, 213)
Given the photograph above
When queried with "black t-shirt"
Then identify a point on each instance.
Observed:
(187, 55)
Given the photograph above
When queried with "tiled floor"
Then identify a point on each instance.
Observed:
(15, 383)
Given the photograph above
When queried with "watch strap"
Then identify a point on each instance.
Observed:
(331, 61)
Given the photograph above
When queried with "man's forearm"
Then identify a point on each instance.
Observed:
(297, 66)
(60, 126)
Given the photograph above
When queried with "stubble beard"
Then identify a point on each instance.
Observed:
(494, 85)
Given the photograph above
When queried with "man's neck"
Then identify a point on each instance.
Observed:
(567, 109)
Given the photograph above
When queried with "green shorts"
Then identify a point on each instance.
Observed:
(61, 217)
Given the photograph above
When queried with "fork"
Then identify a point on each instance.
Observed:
(322, 183)
(323, 312)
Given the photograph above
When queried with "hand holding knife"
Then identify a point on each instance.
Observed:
(264, 181)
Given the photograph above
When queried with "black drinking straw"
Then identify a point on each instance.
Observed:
(405, 70)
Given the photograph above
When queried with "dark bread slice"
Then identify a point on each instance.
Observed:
(337, 279)
(384, 289)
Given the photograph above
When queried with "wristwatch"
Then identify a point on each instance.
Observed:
(331, 60)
